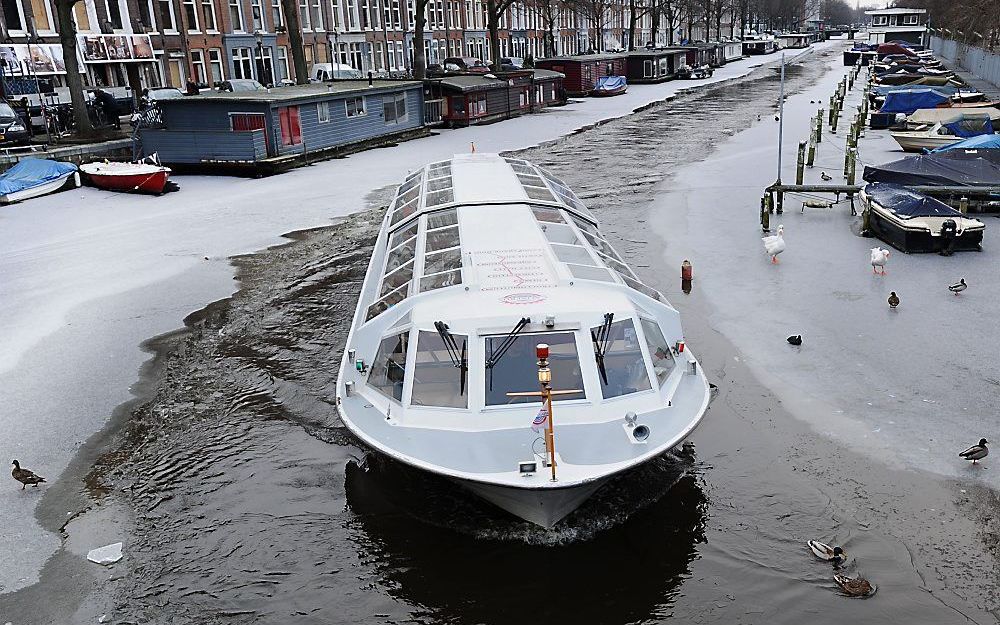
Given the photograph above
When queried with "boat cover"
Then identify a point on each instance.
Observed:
(951, 168)
(952, 114)
(907, 204)
(909, 101)
(970, 127)
(947, 90)
(31, 172)
(981, 142)
(894, 48)
(610, 83)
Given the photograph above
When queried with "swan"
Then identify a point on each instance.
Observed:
(879, 259)
(775, 245)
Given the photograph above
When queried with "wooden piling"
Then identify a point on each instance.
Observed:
(765, 217)
(819, 126)
(852, 162)
(963, 205)
(811, 158)
(800, 163)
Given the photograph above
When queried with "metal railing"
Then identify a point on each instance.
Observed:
(433, 111)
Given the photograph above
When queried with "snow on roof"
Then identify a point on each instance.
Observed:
(895, 11)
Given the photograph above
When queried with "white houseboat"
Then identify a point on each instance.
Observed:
(480, 260)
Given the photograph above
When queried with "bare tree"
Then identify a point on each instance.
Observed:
(638, 9)
(419, 22)
(292, 24)
(548, 11)
(67, 37)
(495, 9)
(596, 12)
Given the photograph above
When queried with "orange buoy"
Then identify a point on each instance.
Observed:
(686, 270)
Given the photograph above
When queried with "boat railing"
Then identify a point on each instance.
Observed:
(433, 111)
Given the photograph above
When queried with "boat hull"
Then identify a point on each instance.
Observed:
(917, 143)
(606, 93)
(141, 183)
(541, 506)
(42, 189)
(909, 240)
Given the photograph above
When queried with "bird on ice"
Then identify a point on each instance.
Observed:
(893, 299)
(775, 245)
(795, 339)
(825, 176)
(976, 452)
(24, 476)
(958, 287)
(879, 258)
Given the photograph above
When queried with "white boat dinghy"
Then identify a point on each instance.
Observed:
(491, 294)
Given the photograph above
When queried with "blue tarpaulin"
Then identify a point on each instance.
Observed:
(610, 83)
(32, 172)
(951, 168)
(971, 127)
(947, 90)
(907, 204)
(910, 100)
(981, 142)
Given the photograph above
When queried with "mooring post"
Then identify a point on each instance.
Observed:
(833, 123)
(847, 157)
(800, 163)
(819, 126)
(963, 205)
(781, 200)
(811, 158)
(833, 106)
(852, 165)
(769, 201)
(765, 218)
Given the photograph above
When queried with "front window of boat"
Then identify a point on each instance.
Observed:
(517, 369)
(621, 367)
(438, 376)
(659, 351)
(389, 368)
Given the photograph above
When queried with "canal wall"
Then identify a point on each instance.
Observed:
(982, 64)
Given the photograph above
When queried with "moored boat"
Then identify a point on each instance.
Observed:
(609, 86)
(132, 177)
(33, 177)
(912, 222)
(491, 286)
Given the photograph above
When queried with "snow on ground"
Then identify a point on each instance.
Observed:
(87, 275)
(913, 386)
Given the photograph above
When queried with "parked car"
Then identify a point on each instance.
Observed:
(236, 85)
(12, 127)
(466, 64)
(333, 71)
(164, 93)
(512, 61)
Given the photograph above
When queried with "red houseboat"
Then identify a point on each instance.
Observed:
(583, 71)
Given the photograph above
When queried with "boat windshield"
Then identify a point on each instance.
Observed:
(437, 379)
(622, 369)
(517, 371)
(388, 371)
(659, 351)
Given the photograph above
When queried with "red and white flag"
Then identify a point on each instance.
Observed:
(541, 419)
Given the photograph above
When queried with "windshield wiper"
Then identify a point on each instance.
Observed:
(457, 356)
(602, 341)
(506, 344)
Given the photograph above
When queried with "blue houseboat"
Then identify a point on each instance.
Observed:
(265, 129)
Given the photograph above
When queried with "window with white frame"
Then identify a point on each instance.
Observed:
(276, 14)
(12, 14)
(198, 66)
(167, 15)
(191, 15)
(236, 15)
(114, 14)
(394, 108)
(323, 112)
(208, 13)
(911, 20)
(282, 63)
(242, 63)
(355, 106)
(257, 15)
(477, 105)
(304, 21)
(351, 6)
(216, 65)
(880, 20)
(335, 19)
(317, 14)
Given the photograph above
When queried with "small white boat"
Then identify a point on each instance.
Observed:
(931, 137)
(912, 222)
(33, 177)
(489, 275)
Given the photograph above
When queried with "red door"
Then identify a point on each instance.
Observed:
(291, 131)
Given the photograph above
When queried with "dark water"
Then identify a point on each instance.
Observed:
(253, 504)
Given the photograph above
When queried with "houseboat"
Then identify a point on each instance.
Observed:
(473, 99)
(582, 72)
(656, 65)
(697, 55)
(759, 46)
(795, 40)
(265, 127)
(501, 342)
(547, 89)
(912, 222)
(731, 51)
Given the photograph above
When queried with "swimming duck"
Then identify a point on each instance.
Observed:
(827, 553)
(795, 339)
(976, 452)
(879, 259)
(24, 476)
(775, 245)
(855, 586)
(825, 176)
(958, 287)
(893, 299)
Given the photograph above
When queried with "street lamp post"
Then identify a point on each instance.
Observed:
(262, 70)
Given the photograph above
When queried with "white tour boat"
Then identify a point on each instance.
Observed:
(488, 276)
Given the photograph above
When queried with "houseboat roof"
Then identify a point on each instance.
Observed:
(582, 58)
(465, 83)
(547, 74)
(894, 11)
(299, 92)
(656, 52)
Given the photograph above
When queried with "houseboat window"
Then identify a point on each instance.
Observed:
(586, 272)
(552, 215)
(441, 238)
(573, 254)
(394, 108)
(659, 351)
(442, 219)
(440, 280)
(323, 112)
(477, 105)
(389, 367)
(517, 370)
(443, 261)
(623, 370)
(355, 106)
(437, 381)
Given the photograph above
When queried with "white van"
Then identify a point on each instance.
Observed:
(330, 71)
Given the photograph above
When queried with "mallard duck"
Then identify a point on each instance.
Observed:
(855, 586)
(976, 452)
(893, 299)
(825, 176)
(795, 339)
(879, 258)
(775, 245)
(24, 476)
(827, 553)
(958, 287)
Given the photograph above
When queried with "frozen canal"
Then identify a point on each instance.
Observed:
(242, 501)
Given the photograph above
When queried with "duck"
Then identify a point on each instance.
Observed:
(893, 299)
(958, 287)
(24, 476)
(976, 452)
(795, 339)
(855, 586)
(879, 258)
(825, 176)
(827, 553)
(775, 245)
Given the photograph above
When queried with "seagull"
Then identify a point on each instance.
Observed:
(24, 476)
(855, 586)
(893, 299)
(879, 258)
(826, 552)
(958, 287)
(775, 245)
(976, 452)
(795, 339)
(825, 176)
